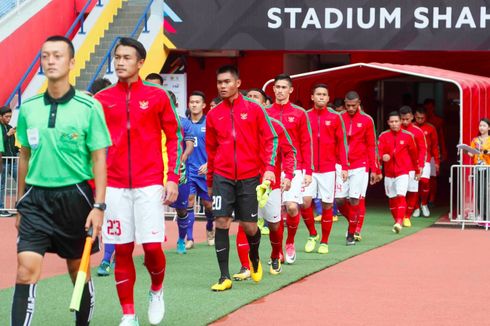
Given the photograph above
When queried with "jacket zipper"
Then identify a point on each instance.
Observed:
(233, 132)
(128, 127)
(394, 151)
(318, 143)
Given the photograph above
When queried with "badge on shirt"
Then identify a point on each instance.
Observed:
(402, 142)
(328, 123)
(33, 137)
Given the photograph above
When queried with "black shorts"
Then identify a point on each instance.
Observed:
(235, 196)
(53, 220)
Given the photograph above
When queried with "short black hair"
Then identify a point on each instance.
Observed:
(421, 110)
(264, 95)
(352, 95)
(154, 75)
(285, 77)
(4, 110)
(393, 114)
(199, 93)
(99, 84)
(338, 102)
(59, 38)
(405, 110)
(319, 85)
(217, 100)
(228, 68)
(135, 44)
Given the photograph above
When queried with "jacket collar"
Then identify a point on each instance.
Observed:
(62, 100)
(133, 86)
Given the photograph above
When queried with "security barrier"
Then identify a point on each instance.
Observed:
(469, 199)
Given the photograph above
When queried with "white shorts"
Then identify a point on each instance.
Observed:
(355, 186)
(396, 186)
(295, 193)
(426, 171)
(134, 215)
(271, 212)
(322, 186)
(433, 168)
(413, 185)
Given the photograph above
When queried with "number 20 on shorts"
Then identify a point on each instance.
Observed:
(216, 203)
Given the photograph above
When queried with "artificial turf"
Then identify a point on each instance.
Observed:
(188, 298)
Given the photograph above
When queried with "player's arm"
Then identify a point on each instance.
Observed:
(341, 141)
(268, 136)
(422, 149)
(24, 156)
(288, 152)
(435, 148)
(211, 148)
(189, 141)
(414, 155)
(373, 155)
(305, 143)
(96, 216)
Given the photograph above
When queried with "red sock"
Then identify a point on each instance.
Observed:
(125, 276)
(362, 213)
(155, 263)
(276, 242)
(280, 230)
(293, 222)
(345, 209)
(393, 207)
(424, 188)
(327, 220)
(354, 213)
(242, 247)
(309, 219)
(433, 189)
(402, 208)
(412, 199)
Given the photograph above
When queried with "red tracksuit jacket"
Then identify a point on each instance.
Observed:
(240, 140)
(329, 140)
(400, 145)
(286, 156)
(361, 138)
(419, 137)
(136, 115)
(296, 122)
(432, 140)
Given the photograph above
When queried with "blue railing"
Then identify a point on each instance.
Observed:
(18, 89)
(108, 55)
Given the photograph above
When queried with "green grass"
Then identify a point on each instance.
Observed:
(188, 298)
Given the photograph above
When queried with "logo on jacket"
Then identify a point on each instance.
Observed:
(243, 116)
(359, 125)
(402, 142)
(291, 119)
(426, 132)
(144, 105)
(328, 123)
(203, 129)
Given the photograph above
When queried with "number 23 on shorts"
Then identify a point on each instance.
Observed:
(113, 227)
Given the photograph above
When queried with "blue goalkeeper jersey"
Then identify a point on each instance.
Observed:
(198, 157)
(188, 135)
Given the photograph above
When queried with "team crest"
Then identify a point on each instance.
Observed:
(291, 119)
(144, 105)
(243, 116)
(426, 132)
(203, 129)
(328, 123)
(359, 125)
(402, 142)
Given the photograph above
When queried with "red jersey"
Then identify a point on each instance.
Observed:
(295, 120)
(286, 156)
(329, 140)
(432, 141)
(420, 141)
(136, 114)
(400, 145)
(361, 138)
(240, 140)
(439, 124)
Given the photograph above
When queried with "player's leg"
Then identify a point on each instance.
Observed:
(424, 189)
(342, 193)
(181, 205)
(401, 187)
(292, 199)
(242, 248)
(207, 202)
(432, 183)
(326, 191)
(358, 183)
(360, 218)
(412, 198)
(105, 264)
(192, 218)
(272, 214)
(308, 213)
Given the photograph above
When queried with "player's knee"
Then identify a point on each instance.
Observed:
(152, 247)
(327, 205)
(125, 249)
(306, 202)
(181, 213)
(208, 206)
(292, 209)
(27, 274)
(340, 201)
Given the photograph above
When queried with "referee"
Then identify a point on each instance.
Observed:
(64, 137)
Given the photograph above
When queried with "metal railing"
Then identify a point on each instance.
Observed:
(470, 195)
(108, 56)
(18, 89)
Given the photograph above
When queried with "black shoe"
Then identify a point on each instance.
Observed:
(4, 213)
(350, 240)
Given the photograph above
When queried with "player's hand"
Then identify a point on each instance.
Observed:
(203, 169)
(269, 175)
(379, 177)
(210, 192)
(95, 219)
(344, 174)
(417, 176)
(285, 184)
(386, 157)
(171, 193)
(11, 132)
(373, 178)
(306, 181)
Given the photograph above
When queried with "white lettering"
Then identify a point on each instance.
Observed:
(445, 17)
(421, 20)
(465, 18)
(292, 15)
(372, 18)
(349, 18)
(275, 20)
(328, 18)
(311, 18)
(385, 16)
(484, 17)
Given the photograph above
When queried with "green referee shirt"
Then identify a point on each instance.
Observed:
(2, 146)
(61, 134)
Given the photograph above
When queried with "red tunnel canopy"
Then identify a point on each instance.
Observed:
(474, 91)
